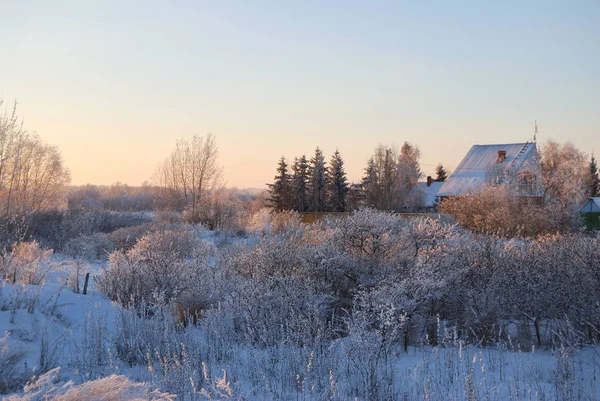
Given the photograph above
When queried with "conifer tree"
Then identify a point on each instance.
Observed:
(370, 184)
(595, 179)
(280, 190)
(338, 186)
(318, 182)
(300, 184)
(441, 173)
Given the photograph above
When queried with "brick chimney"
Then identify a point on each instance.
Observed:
(501, 156)
(429, 180)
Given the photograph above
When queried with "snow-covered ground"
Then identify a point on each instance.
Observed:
(343, 310)
(47, 326)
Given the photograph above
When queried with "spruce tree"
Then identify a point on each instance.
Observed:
(338, 186)
(370, 184)
(300, 184)
(280, 190)
(595, 180)
(441, 173)
(317, 182)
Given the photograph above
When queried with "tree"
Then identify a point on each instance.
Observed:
(356, 196)
(441, 173)
(409, 172)
(190, 176)
(318, 179)
(594, 179)
(281, 189)
(563, 172)
(370, 184)
(300, 184)
(32, 174)
(381, 179)
(565, 176)
(338, 187)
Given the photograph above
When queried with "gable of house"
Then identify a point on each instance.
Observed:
(592, 206)
(500, 164)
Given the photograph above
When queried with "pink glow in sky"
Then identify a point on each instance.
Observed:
(113, 84)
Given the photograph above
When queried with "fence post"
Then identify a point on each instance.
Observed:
(85, 284)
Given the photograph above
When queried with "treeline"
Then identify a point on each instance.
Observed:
(312, 186)
(117, 197)
(389, 183)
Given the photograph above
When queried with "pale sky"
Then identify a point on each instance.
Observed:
(113, 84)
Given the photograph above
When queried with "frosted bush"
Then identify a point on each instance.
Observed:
(166, 244)
(12, 373)
(92, 247)
(369, 233)
(27, 263)
(126, 237)
(76, 270)
(265, 221)
(298, 310)
(112, 388)
(170, 263)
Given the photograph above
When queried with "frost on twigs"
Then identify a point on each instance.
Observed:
(112, 388)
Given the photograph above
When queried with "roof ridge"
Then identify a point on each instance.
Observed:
(504, 144)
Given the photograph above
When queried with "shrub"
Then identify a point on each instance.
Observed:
(76, 270)
(89, 247)
(12, 375)
(27, 263)
(111, 388)
(265, 221)
(160, 263)
(125, 238)
(497, 210)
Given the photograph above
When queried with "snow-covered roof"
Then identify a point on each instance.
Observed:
(592, 206)
(472, 173)
(429, 193)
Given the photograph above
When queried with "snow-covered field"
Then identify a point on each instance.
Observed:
(63, 345)
(50, 325)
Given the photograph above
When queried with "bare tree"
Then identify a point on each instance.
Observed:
(189, 177)
(409, 173)
(32, 174)
(565, 176)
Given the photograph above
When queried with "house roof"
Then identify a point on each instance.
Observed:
(472, 173)
(429, 193)
(592, 206)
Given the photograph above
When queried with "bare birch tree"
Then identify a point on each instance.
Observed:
(32, 174)
(190, 176)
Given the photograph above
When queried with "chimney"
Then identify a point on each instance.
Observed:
(429, 180)
(501, 156)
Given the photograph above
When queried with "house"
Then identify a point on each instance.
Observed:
(591, 214)
(427, 193)
(516, 165)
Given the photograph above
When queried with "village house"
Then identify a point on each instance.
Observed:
(427, 193)
(515, 165)
(590, 213)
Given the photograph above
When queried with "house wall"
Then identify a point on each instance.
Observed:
(591, 221)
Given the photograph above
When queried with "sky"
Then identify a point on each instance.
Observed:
(114, 84)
